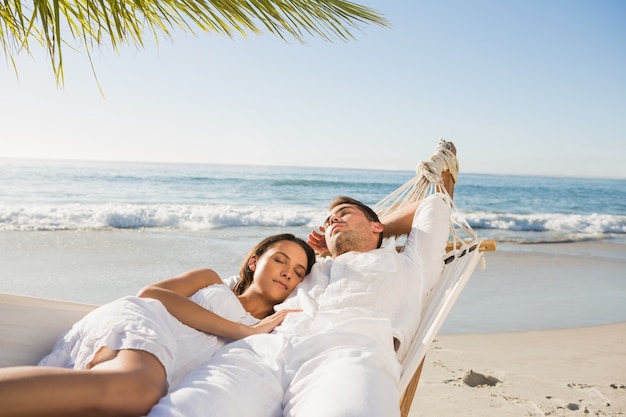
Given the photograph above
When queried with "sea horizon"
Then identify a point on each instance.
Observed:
(356, 168)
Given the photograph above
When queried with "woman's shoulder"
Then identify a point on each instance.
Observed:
(220, 299)
(212, 293)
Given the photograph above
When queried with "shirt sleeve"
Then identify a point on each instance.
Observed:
(426, 243)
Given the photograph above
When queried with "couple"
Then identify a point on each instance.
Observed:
(334, 354)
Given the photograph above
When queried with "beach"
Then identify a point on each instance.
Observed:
(567, 372)
(548, 321)
(546, 317)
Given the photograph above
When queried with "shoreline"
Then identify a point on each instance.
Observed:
(524, 287)
(563, 372)
(543, 286)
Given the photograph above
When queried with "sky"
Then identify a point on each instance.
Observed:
(529, 87)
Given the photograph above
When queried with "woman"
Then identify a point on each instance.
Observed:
(126, 354)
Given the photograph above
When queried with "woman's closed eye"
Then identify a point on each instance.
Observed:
(300, 273)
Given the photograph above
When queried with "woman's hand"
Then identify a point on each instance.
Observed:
(270, 322)
(317, 240)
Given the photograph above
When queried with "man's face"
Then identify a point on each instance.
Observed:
(347, 229)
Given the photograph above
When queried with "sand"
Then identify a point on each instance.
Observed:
(579, 371)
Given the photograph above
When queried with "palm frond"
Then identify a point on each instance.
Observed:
(93, 23)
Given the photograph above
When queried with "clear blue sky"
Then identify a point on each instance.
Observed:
(522, 87)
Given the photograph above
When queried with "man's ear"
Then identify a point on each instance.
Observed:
(377, 227)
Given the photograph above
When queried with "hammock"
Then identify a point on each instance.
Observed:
(462, 255)
(29, 325)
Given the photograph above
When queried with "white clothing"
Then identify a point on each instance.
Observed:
(145, 324)
(336, 358)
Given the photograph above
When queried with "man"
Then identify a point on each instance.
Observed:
(339, 356)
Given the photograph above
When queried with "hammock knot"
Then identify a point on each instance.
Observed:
(427, 181)
(443, 159)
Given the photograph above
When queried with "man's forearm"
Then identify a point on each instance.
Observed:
(400, 221)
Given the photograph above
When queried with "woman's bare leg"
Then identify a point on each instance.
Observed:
(129, 384)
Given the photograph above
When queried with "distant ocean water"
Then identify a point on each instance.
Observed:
(95, 231)
(69, 195)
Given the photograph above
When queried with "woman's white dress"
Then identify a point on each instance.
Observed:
(145, 324)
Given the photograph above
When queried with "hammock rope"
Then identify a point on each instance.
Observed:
(428, 180)
(459, 262)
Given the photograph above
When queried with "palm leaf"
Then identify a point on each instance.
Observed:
(93, 23)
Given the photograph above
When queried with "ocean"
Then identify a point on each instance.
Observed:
(63, 195)
(95, 231)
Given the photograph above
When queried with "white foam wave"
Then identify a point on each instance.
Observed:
(592, 224)
(125, 216)
(198, 217)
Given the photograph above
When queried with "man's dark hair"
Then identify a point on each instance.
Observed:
(369, 213)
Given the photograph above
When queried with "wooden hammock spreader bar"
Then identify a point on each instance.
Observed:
(485, 246)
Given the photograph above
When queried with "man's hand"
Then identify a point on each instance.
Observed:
(446, 176)
(317, 240)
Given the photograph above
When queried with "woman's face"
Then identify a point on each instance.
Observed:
(279, 269)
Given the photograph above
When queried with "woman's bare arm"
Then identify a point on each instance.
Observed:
(174, 293)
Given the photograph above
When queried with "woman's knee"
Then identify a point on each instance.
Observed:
(144, 394)
(132, 383)
(131, 394)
